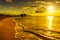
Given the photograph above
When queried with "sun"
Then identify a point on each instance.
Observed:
(50, 9)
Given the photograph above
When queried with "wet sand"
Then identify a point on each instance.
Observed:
(7, 31)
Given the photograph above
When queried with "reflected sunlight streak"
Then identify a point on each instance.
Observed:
(50, 18)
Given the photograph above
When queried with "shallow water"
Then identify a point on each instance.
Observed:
(38, 27)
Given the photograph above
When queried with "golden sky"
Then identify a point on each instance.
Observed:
(9, 1)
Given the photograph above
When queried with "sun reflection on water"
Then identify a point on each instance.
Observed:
(50, 18)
